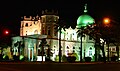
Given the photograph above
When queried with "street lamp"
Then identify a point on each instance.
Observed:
(113, 26)
(6, 32)
(106, 20)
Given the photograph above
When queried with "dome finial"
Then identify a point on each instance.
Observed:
(85, 8)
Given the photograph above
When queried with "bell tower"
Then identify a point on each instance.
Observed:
(49, 21)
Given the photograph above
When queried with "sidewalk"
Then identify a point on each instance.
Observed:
(37, 62)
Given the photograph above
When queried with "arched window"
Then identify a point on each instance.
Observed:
(36, 32)
(90, 48)
(67, 47)
(90, 51)
(73, 47)
(49, 30)
(26, 25)
(55, 30)
(26, 33)
(73, 51)
(90, 38)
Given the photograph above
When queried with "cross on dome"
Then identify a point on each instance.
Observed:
(85, 8)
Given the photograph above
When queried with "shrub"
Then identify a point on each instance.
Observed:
(57, 58)
(64, 58)
(1, 57)
(114, 58)
(87, 59)
(16, 58)
(5, 57)
(71, 58)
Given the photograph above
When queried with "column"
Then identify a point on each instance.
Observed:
(29, 54)
(32, 53)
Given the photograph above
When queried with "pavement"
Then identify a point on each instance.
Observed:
(38, 62)
(52, 66)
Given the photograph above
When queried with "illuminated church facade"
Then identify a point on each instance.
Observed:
(33, 29)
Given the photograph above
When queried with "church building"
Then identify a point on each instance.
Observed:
(34, 29)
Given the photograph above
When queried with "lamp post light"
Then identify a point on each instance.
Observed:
(106, 22)
(6, 32)
(109, 23)
(100, 29)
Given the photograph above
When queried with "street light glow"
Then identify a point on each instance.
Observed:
(6, 32)
(106, 20)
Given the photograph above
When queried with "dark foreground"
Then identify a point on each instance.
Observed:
(37, 66)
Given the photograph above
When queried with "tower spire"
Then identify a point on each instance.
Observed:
(85, 10)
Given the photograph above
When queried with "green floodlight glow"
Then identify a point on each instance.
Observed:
(62, 32)
(21, 57)
(4, 56)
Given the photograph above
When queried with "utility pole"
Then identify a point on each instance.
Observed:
(42, 51)
(103, 52)
(19, 47)
(60, 45)
(43, 43)
(108, 50)
(81, 46)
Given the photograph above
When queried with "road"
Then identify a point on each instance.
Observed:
(36, 66)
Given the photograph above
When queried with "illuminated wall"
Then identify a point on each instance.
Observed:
(71, 43)
(46, 25)
(30, 26)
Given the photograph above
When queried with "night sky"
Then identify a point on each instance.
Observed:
(69, 10)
